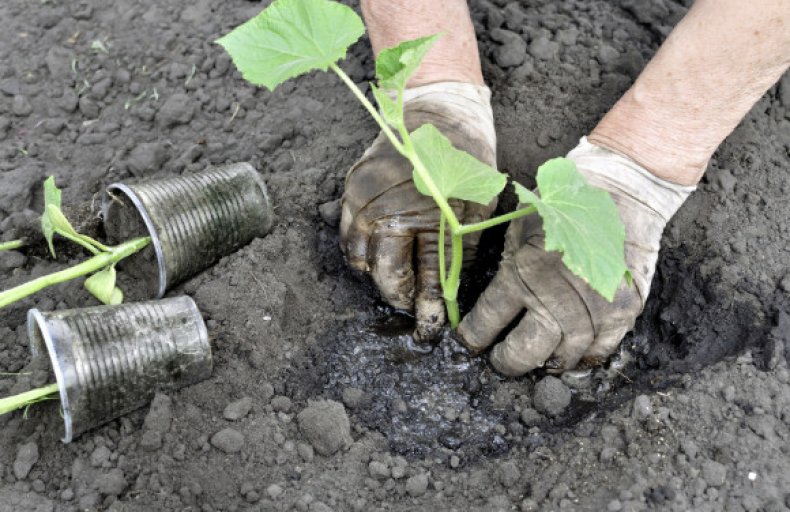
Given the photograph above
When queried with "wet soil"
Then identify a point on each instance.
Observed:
(693, 414)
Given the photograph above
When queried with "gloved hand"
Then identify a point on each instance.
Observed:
(388, 229)
(567, 323)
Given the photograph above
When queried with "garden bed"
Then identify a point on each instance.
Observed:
(693, 415)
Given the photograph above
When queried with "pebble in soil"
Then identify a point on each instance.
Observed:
(425, 399)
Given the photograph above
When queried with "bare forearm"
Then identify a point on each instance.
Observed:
(714, 66)
(454, 57)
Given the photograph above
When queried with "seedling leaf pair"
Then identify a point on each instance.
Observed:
(101, 284)
(292, 37)
(52, 219)
(580, 221)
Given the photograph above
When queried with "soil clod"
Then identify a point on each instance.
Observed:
(228, 440)
(417, 485)
(237, 410)
(325, 425)
(26, 458)
(551, 396)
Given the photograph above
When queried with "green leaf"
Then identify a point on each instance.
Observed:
(395, 65)
(290, 38)
(59, 221)
(582, 222)
(116, 297)
(389, 109)
(51, 198)
(102, 286)
(455, 173)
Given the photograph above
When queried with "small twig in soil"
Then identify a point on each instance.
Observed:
(236, 107)
(621, 374)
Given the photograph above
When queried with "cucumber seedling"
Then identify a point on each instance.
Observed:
(292, 37)
(102, 263)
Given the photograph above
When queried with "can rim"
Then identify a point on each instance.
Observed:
(202, 329)
(36, 320)
(264, 191)
(149, 224)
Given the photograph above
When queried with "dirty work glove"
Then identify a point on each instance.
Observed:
(388, 229)
(567, 323)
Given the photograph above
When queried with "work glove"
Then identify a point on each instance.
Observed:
(566, 323)
(390, 230)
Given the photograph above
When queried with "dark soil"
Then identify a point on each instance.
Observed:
(692, 415)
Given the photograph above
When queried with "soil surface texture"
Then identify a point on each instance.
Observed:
(319, 400)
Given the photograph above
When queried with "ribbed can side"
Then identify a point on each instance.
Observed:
(120, 356)
(202, 217)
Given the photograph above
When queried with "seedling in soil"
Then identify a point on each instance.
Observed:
(102, 264)
(292, 37)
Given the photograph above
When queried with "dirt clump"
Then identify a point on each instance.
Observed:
(325, 425)
(550, 396)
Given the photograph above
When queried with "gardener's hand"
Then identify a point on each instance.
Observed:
(567, 323)
(388, 229)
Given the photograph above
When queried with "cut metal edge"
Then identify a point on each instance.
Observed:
(149, 224)
(36, 320)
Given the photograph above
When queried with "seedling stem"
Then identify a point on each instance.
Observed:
(23, 400)
(406, 148)
(13, 244)
(101, 260)
(102, 283)
(451, 280)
